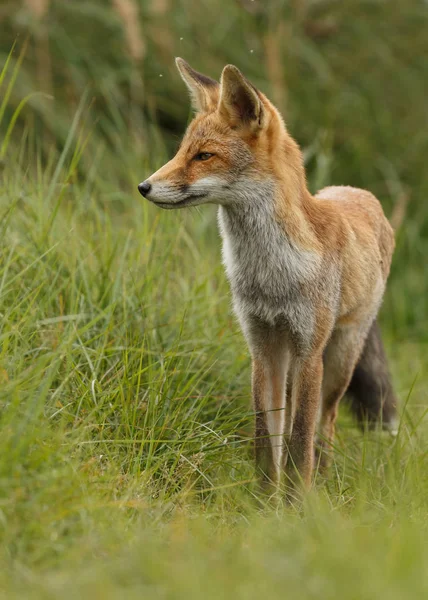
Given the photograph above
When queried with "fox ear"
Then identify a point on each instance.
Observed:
(204, 91)
(240, 103)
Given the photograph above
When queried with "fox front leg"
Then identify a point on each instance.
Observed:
(269, 375)
(307, 382)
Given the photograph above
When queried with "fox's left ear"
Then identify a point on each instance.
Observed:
(203, 90)
(240, 103)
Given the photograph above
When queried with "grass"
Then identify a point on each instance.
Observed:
(125, 461)
(125, 449)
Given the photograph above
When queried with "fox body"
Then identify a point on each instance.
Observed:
(307, 273)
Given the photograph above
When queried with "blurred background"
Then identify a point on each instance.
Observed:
(350, 78)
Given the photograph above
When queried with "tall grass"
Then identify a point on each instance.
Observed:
(125, 460)
(125, 453)
(350, 78)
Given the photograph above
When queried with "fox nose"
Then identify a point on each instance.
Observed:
(144, 188)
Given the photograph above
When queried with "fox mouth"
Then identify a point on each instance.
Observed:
(189, 200)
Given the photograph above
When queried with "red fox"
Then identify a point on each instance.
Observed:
(307, 273)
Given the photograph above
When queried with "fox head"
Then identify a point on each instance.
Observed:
(233, 148)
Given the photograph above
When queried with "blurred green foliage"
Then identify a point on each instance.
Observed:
(350, 77)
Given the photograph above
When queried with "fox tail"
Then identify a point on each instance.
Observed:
(370, 393)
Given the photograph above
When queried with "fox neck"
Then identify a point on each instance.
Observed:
(270, 237)
(265, 267)
(265, 224)
(278, 208)
(294, 207)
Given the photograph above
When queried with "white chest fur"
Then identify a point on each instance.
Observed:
(266, 271)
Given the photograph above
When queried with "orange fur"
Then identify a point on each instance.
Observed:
(307, 272)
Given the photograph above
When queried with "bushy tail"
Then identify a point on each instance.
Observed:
(371, 395)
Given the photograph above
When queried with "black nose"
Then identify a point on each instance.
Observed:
(144, 188)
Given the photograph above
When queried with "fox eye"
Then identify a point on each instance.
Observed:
(203, 156)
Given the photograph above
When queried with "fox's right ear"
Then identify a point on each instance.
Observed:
(240, 102)
(204, 91)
